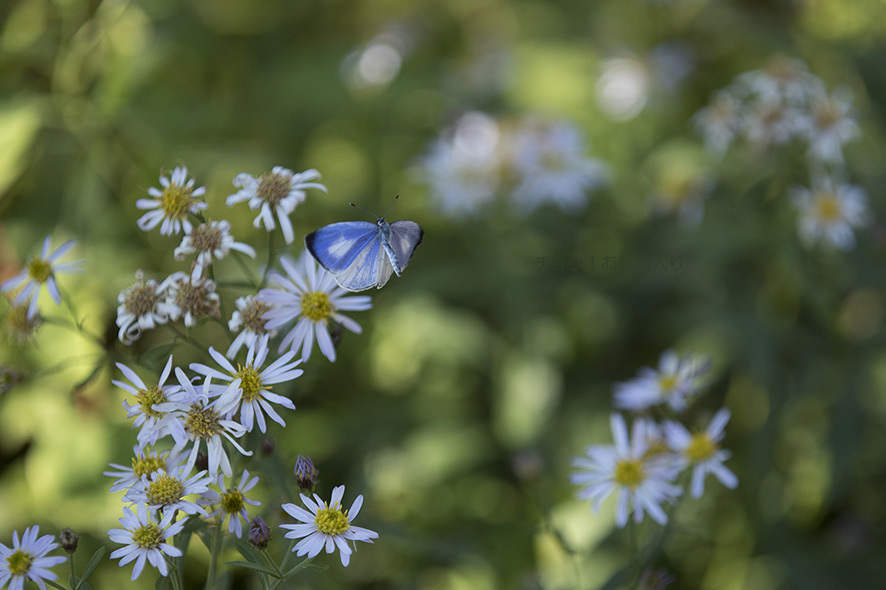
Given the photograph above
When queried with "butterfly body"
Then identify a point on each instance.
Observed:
(362, 254)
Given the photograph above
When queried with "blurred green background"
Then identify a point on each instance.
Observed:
(480, 373)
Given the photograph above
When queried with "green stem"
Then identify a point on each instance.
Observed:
(264, 277)
(213, 556)
(184, 337)
(73, 573)
(238, 256)
(172, 567)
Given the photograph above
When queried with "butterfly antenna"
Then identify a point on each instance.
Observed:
(391, 205)
(364, 210)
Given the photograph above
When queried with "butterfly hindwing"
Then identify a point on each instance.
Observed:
(405, 236)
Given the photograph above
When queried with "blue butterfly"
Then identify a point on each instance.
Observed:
(362, 254)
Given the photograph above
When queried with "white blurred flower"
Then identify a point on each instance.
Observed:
(719, 122)
(829, 212)
(38, 271)
(142, 306)
(702, 451)
(829, 125)
(190, 295)
(326, 525)
(771, 122)
(309, 294)
(248, 320)
(276, 192)
(641, 482)
(463, 172)
(26, 560)
(782, 80)
(623, 87)
(208, 240)
(169, 208)
(551, 166)
(674, 382)
(144, 539)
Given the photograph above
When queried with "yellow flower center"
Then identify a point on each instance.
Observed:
(332, 521)
(251, 316)
(19, 562)
(140, 298)
(39, 270)
(196, 297)
(827, 206)
(165, 490)
(629, 473)
(826, 114)
(202, 422)
(316, 306)
(146, 399)
(232, 501)
(206, 237)
(700, 448)
(176, 201)
(250, 382)
(142, 465)
(18, 325)
(147, 537)
(273, 188)
(667, 383)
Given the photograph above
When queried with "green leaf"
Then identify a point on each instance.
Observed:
(305, 565)
(162, 583)
(55, 585)
(253, 566)
(93, 563)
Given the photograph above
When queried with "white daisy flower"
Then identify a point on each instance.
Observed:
(144, 539)
(167, 491)
(702, 451)
(783, 79)
(143, 464)
(829, 212)
(191, 296)
(169, 207)
(719, 122)
(199, 419)
(463, 172)
(310, 294)
(142, 306)
(255, 399)
(208, 240)
(673, 383)
(154, 424)
(278, 191)
(17, 326)
(38, 271)
(248, 320)
(829, 125)
(26, 560)
(231, 502)
(641, 482)
(552, 167)
(326, 525)
(771, 122)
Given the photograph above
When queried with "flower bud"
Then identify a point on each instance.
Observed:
(305, 473)
(259, 533)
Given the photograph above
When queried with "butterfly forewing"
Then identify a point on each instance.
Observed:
(340, 246)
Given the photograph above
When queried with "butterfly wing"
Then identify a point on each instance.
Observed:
(350, 250)
(405, 236)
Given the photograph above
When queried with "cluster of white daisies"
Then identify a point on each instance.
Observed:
(189, 422)
(306, 295)
(533, 161)
(784, 103)
(642, 467)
